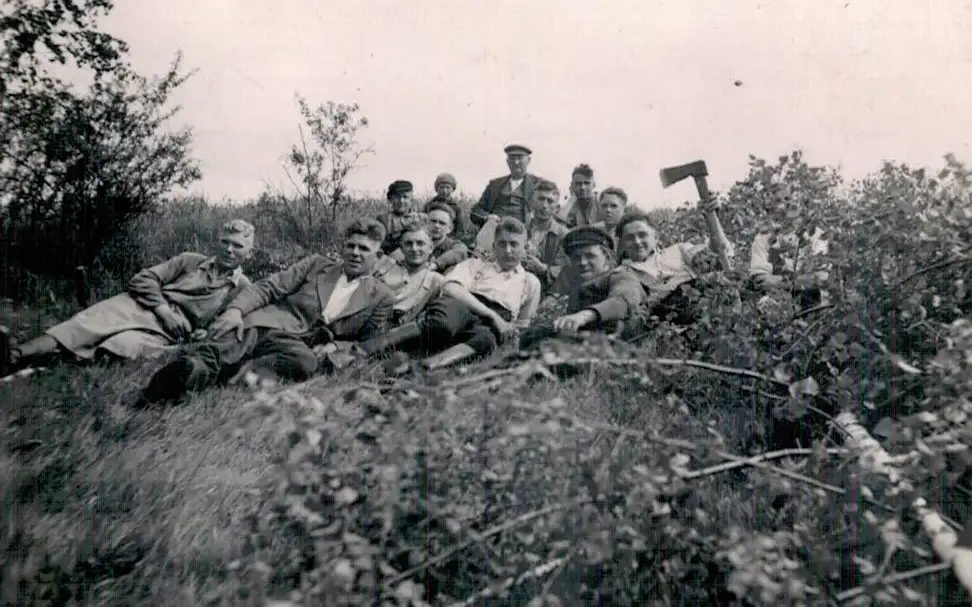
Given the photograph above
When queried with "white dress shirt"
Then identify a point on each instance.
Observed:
(340, 296)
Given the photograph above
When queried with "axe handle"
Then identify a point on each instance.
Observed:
(715, 228)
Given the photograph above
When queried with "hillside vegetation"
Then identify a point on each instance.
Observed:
(595, 473)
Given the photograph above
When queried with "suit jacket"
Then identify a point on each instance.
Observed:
(493, 198)
(293, 300)
(550, 253)
(615, 295)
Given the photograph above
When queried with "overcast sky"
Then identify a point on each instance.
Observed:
(628, 86)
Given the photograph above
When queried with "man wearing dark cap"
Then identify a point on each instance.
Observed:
(400, 198)
(507, 196)
(600, 294)
(445, 188)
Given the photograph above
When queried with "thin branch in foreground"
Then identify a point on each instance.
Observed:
(524, 518)
(895, 578)
(935, 266)
(752, 461)
(536, 572)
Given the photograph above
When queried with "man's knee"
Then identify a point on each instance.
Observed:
(483, 340)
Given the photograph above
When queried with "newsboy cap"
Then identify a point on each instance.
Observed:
(516, 148)
(586, 236)
(399, 187)
(444, 178)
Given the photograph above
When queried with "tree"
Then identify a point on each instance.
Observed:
(322, 161)
(76, 166)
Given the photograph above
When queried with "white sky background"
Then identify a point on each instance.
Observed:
(627, 86)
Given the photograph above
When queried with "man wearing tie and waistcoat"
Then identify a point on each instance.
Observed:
(507, 196)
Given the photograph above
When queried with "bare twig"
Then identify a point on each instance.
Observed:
(496, 530)
(894, 579)
(591, 425)
(752, 461)
(932, 268)
(536, 572)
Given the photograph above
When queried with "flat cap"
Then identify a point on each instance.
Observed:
(516, 148)
(399, 187)
(586, 236)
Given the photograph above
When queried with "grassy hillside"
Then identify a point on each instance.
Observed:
(596, 473)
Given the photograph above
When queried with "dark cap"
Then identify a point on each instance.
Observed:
(516, 148)
(399, 187)
(586, 236)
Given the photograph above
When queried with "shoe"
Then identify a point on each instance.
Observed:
(449, 357)
(9, 362)
(391, 339)
(168, 384)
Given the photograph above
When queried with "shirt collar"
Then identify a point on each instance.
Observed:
(516, 270)
(212, 268)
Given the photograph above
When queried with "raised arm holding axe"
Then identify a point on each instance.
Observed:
(707, 204)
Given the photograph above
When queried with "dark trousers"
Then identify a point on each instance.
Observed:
(288, 355)
(448, 322)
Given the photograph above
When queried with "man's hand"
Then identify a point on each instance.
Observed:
(173, 321)
(321, 350)
(433, 267)
(505, 329)
(708, 205)
(574, 322)
(230, 320)
(493, 217)
(533, 265)
(768, 281)
(198, 335)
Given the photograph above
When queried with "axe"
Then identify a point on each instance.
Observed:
(697, 171)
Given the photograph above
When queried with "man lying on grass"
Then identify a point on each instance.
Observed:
(600, 294)
(166, 305)
(481, 304)
(281, 324)
(664, 273)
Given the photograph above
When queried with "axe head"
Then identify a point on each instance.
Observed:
(675, 174)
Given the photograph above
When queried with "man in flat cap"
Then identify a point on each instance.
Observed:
(165, 305)
(507, 196)
(600, 294)
(445, 189)
(400, 198)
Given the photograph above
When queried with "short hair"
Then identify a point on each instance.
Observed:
(415, 223)
(238, 226)
(631, 217)
(583, 169)
(615, 191)
(546, 186)
(511, 225)
(371, 229)
(441, 206)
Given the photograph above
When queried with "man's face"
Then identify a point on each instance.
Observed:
(444, 191)
(638, 240)
(440, 225)
(234, 249)
(400, 202)
(589, 261)
(360, 254)
(545, 204)
(612, 208)
(508, 248)
(518, 163)
(417, 247)
(582, 186)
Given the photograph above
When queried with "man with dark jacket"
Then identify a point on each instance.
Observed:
(400, 198)
(278, 323)
(601, 295)
(507, 196)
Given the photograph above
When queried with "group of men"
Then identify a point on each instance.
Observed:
(437, 284)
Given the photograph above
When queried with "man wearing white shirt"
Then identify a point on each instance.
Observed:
(781, 261)
(278, 324)
(482, 303)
